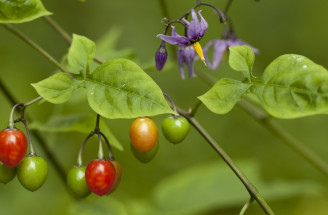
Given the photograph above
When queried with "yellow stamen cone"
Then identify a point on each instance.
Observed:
(198, 49)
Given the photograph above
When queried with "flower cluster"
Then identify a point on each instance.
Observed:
(188, 45)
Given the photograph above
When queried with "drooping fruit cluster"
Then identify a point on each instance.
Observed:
(31, 170)
(144, 136)
(101, 176)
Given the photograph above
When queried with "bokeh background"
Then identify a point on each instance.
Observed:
(189, 178)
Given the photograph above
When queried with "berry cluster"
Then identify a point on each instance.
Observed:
(103, 174)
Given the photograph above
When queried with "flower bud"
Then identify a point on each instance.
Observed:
(161, 56)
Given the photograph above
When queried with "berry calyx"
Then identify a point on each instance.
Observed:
(175, 128)
(143, 134)
(13, 146)
(32, 172)
(100, 176)
(76, 182)
(6, 173)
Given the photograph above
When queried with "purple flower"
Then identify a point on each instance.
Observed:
(186, 55)
(161, 56)
(219, 49)
(195, 32)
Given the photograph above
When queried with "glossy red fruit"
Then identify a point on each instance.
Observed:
(143, 134)
(100, 176)
(13, 146)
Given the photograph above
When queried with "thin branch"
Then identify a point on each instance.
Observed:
(264, 119)
(65, 35)
(36, 47)
(226, 9)
(284, 136)
(58, 168)
(248, 185)
(60, 31)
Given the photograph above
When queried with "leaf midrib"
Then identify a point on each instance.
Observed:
(118, 89)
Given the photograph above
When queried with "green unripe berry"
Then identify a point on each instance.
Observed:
(76, 182)
(6, 173)
(175, 128)
(32, 172)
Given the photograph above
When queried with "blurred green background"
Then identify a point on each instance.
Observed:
(188, 178)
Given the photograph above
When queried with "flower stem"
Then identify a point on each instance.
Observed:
(79, 158)
(65, 35)
(227, 7)
(32, 151)
(110, 152)
(36, 47)
(264, 119)
(248, 185)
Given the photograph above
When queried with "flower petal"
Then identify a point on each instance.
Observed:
(180, 61)
(203, 24)
(194, 29)
(220, 48)
(186, 21)
(188, 57)
(174, 40)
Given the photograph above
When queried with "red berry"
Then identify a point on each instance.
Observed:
(13, 146)
(100, 176)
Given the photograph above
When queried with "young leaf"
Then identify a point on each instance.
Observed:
(120, 89)
(81, 54)
(293, 86)
(57, 88)
(242, 59)
(19, 11)
(223, 96)
(76, 122)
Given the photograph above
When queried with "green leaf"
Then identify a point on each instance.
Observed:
(81, 54)
(121, 89)
(293, 86)
(57, 88)
(19, 11)
(223, 96)
(210, 186)
(76, 122)
(242, 59)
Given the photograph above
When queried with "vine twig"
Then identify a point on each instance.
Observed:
(248, 185)
(36, 47)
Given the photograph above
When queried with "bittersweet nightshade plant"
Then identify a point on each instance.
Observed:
(291, 86)
(195, 31)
